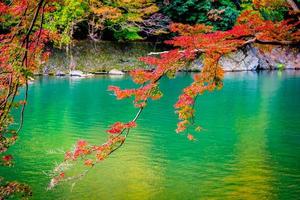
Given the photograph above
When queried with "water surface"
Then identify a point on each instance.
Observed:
(249, 148)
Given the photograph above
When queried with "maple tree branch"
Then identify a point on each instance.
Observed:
(39, 6)
(276, 42)
(294, 6)
(3, 115)
(61, 167)
(23, 108)
(26, 39)
(250, 41)
(3, 103)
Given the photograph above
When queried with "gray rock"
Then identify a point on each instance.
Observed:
(76, 73)
(60, 73)
(196, 65)
(251, 58)
(102, 56)
(279, 57)
(241, 60)
(115, 72)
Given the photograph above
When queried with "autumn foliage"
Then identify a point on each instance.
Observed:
(22, 47)
(192, 42)
(23, 50)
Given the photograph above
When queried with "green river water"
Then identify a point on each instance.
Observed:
(249, 148)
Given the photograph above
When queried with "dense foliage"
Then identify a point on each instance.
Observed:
(124, 18)
(220, 14)
(65, 16)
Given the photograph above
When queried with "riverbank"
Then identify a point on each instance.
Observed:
(102, 57)
(99, 57)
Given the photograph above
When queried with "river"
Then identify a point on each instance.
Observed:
(249, 147)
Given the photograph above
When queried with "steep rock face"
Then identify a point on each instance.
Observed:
(241, 60)
(104, 56)
(252, 58)
(278, 58)
(89, 56)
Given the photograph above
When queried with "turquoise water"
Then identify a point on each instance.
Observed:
(249, 148)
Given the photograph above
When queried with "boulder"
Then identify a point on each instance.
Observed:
(76, 73)
(115, 72)
(60, 73)
(242, 60)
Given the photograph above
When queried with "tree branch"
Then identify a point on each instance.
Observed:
(295, 8)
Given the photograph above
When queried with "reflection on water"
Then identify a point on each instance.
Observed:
(254, 174)
(249, 148)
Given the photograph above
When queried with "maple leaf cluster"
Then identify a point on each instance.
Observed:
(202, 40)
(22, 47)
(191, 43)
(22, 50)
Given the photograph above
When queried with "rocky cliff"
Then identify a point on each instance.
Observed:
(254, 58)
(104, 56)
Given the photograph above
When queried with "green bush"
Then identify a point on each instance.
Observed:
(198, 11)
(128, 34)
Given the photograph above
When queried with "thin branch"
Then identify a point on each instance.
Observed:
(250, 41)
(294, 6)
(23, 108)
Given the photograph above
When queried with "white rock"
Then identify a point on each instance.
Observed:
(76, 73)
(116, 72)
(60, 73)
